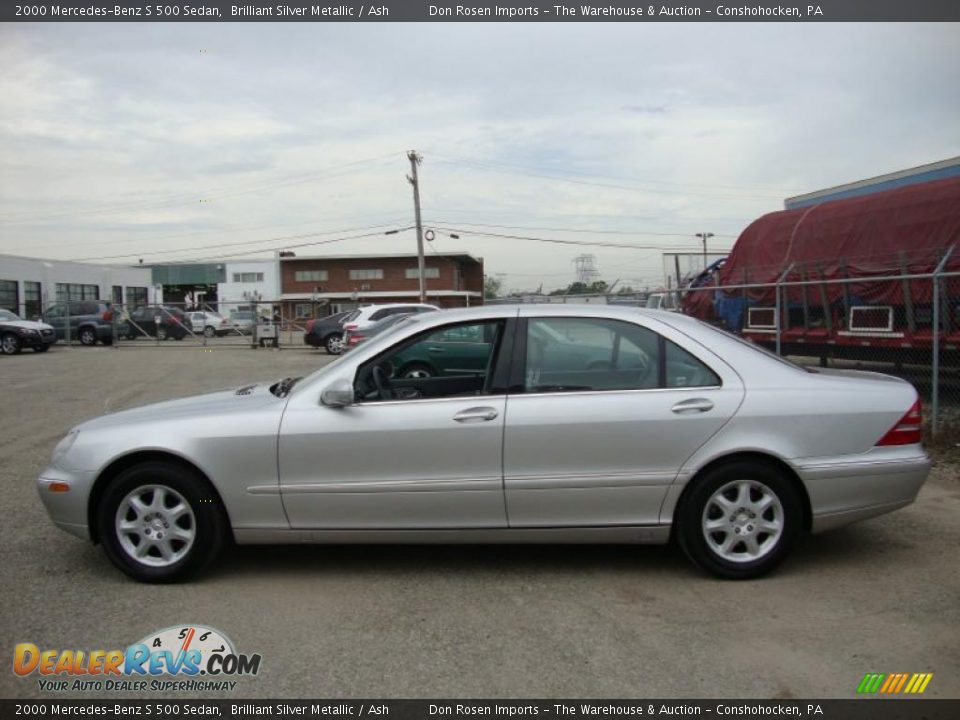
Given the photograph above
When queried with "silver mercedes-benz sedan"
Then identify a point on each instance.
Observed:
(502, 424)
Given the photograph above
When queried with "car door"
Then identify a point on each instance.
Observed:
(425, 455)
(606, 413)
(55, 317)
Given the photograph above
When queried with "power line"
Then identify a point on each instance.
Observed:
(576, 181)
(559, 241)
(240, 244)
(595, 231)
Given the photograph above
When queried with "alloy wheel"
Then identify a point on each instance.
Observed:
(743, 521)
(155, 525)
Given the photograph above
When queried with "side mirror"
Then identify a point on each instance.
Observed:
(338, 395)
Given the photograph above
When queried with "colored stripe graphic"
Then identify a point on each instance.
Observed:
(894, 683)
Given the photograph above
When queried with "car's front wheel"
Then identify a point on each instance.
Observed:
(10, 344)
(334, 343)
(209, 331)
(160, 522)
(740, 520)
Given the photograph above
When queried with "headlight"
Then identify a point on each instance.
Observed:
(64, 445)
(28, 331)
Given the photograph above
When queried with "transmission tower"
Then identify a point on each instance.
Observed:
(586, 269)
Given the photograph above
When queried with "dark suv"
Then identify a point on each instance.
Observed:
(89, 321)
(143, 322)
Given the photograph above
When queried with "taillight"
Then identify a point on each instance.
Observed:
(350, 326)
(908, 430)
(354, 339)
(310, 326)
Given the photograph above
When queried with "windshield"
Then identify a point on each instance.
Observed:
(7, 315)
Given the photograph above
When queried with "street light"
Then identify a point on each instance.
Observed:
(703, 236)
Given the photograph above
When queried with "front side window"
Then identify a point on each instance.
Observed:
(455, 361)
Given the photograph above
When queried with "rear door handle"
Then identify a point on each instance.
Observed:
(477, 414)
(692, 405)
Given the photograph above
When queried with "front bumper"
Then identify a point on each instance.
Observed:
(845, 491)
(68, 510)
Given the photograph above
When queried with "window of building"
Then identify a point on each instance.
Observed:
(117, 294)
(310, 276)
(429, 273)
(366, 274)
(136, 297)
(32, 299)
(303, 310)
(248, 277)
(77, 291)
(9, 296)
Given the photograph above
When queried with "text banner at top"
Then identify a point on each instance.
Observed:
(481, 11)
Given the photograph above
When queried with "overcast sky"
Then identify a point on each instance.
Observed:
(168, 142)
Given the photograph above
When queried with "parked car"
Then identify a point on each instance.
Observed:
(90, 321)
(211, 324)
(326, 333)
(242, 321)
(16, 334)
(366, 316)
(352, 338)
(683, 432)
(142, 322)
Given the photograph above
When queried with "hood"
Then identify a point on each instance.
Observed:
(221, 402)
(28, 324)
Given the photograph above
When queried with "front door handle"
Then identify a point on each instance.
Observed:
(692, 405)
(477, 414)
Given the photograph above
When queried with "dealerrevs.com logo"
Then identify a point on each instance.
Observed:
(189, 658)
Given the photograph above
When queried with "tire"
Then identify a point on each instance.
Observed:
(161, 333)
(414, 371)
(41, 348)
(765, 518)
(209, 331)
(87, 336)
(10, 344)
(334, 343)
(189, 540)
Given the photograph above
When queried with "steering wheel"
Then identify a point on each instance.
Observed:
(380, 379)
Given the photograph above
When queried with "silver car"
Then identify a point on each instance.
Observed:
(554, 424)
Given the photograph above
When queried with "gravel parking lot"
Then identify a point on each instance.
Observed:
(460, 622)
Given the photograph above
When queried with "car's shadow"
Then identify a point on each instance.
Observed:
(846, 547)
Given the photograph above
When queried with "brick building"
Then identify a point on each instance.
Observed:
(317, 286)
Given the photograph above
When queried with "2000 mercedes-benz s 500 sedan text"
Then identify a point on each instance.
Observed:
(520, 424)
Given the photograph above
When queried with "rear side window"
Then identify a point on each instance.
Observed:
(591, 354)
(380, 314)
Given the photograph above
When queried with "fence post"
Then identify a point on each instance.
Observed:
(776, 289)
(935, 364)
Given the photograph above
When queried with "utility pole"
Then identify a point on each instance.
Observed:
(704, 236)
(415, 181)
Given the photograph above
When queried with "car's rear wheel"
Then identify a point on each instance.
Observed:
(417, 371)
(209, 331)
(740, 520)
(88, 336)
(160, 522)
(334, 343)
(10, 344)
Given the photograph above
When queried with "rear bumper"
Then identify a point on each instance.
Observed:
(845, 491)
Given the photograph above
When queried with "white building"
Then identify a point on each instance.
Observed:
(29, 285)
(248, 280)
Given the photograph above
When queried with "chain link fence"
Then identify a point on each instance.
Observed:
(906, 325)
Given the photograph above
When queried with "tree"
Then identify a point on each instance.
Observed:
(491, 287)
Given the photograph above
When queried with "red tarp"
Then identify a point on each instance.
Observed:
(864, 236)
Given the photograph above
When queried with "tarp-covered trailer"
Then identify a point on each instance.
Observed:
(872, 240)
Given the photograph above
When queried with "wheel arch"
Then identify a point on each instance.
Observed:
(749, 456)
(118, 465)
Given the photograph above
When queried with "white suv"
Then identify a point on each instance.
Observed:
(366, 316)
